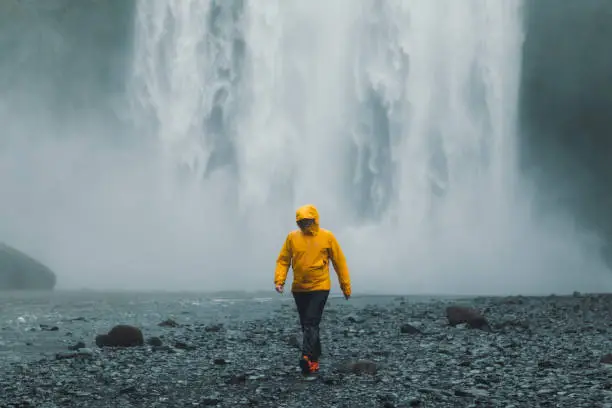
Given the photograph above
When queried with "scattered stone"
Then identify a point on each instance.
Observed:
(470, 316)
(169, 323)
(409, 329)
(249, 363)
(121, 336)
(83, 353)
(213, 328)
(127, 390)
(155, 342)
(293, 341)
(472, 392)
(184, 346)
(546, 364)
(211, 400)
(465, 363)
(77, 346)
(415, 402)
(237, 379)
(259, 340)
(359, 367)
(77, 319)
(512, 324)
(165, 348)
(353, 318)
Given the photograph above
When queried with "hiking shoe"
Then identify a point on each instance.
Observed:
(307, 366)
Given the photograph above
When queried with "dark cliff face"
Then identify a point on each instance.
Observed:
(566, 107)
(18, 271)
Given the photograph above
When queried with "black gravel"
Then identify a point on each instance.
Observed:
(542, 352)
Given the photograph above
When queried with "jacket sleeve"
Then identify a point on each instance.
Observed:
(283, 262)
(339, 262)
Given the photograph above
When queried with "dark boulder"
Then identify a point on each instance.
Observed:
(472, 317)
(19, 271)
(121, 336)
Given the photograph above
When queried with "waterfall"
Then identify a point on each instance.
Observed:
(396, 118)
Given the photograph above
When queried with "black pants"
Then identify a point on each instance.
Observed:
(310, 307)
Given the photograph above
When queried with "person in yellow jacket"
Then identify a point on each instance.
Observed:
(308, 251)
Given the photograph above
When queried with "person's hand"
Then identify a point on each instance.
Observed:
(347, 297)
(280, 288)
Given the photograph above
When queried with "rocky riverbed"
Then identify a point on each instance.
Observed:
(378, 352)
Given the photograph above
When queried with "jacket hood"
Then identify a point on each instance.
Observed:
(308, 211)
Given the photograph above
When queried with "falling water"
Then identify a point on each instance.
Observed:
(396, 118)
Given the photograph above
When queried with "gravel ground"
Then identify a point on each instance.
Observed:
(542, 352)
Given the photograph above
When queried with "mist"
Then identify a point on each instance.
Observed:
(142, 149)
(566, 97)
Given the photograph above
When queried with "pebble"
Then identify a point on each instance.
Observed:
(254, 362)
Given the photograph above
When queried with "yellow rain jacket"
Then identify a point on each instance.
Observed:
(309, 254)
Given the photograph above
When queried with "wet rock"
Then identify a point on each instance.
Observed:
(259, 340)
(293, 341)
(465, 363)
(359, 367)
(329, 380)
(470, 316)
(163, 348)
(184, 346)
(409, 329)
(121, 336)
(434, 391)
(541, 366)
(154, 341)
(127, 390)
(545, 364)
(169, 323)
(512, 324)
(353, 318)
(237, 379)
(77, 346)
(606, 359)
(415, 402)
(46, 327)
(472, 392)
(81, 353)
(213, 328)
(210, 400)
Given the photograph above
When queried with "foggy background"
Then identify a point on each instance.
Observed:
(566, 106)
(82, 188)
